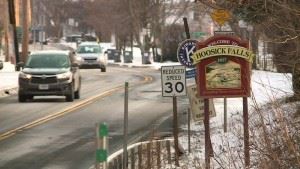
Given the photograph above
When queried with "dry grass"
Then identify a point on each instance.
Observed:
(275, 137)
(274, 140)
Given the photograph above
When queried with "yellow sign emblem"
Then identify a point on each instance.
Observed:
(220, 16)
(219, 50)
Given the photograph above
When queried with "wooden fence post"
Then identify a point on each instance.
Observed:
(158, 154)
(115, 163)
(140, 151)
(169, 151)
(132, 158)
(120, 161)
(149, 155)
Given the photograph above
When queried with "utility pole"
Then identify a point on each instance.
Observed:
(6, 30)
(25, 31)
(12, 21)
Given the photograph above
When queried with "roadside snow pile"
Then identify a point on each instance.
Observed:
(273, 131)
(10, 77)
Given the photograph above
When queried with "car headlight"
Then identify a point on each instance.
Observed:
(24, 75)
(100, 58)
(79, 59)
(65, 76)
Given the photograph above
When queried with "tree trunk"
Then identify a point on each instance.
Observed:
(254, 46)
(296, 74)
(296, 79)
(6, 46)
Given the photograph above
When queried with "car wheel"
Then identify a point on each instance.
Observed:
(22, 98)
(70, 96)
(103, 69)
(77, 94)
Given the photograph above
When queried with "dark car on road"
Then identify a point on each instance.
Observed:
(50, 73)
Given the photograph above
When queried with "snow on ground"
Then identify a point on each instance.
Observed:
(8, 78)
(266, 87)
(269, 85)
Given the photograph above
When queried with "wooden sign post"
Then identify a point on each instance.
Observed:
(223, 70)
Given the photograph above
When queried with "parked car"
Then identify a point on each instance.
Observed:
(78, 38)
(92, 56)
(50, 73)
(73, 38)
(89, 38)
(1, 64)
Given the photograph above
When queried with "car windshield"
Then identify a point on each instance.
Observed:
(48, 61)
(89, 49)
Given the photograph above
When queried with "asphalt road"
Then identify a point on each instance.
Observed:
(49, 133)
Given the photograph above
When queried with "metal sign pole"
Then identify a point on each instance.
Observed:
(175, 130)
(101, 146)
(188, 36)
(207, 134)
(225, 100)
(186, 28)
(125, 160)
(189, 130)
(246, 132)
(97, 165)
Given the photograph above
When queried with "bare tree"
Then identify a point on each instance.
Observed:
(57, 12)
(277, 22)
(2, 16)
(143, 22)
(129, 19)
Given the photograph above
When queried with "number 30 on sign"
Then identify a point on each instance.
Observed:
(173, 81)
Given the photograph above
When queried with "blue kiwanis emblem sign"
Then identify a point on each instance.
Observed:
(185, 51)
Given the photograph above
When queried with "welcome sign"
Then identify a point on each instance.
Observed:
(223, 66)
(219, 50)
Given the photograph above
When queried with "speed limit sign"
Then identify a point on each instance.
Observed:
(173, 81)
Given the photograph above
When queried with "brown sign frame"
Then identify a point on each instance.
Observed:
(240, 90)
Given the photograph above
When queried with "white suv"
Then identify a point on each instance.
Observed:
(92, 56)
